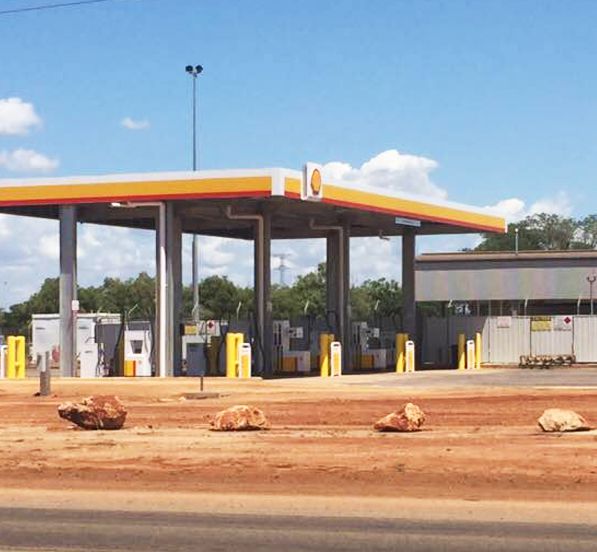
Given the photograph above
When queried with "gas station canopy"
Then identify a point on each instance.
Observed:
(204, 196)
(259, 204)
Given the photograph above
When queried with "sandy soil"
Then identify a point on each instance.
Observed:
(478, 444)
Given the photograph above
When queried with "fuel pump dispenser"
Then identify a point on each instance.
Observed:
(287, 357)
(368, 350)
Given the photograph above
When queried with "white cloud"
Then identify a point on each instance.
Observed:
(515, 209)
(17, 117)
(26, 160)
(390, 169)
(135, 124)
(48, 246)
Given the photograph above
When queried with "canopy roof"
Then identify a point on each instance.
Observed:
(203, 198)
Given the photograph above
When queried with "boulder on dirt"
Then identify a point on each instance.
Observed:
(409, 418)
(558, 419)
(240, 418)
(95, 412)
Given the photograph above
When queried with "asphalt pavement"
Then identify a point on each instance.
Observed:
(70, 530)
(485, 377)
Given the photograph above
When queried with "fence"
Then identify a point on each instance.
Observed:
(506, 338)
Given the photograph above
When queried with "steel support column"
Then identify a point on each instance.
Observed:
(161, 294)
(332, 270)
(345, 310)
(409, 318)
(68, 288)
(174, 289)
(263, 299)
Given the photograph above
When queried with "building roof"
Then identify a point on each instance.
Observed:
(202, 197)
(535, 256)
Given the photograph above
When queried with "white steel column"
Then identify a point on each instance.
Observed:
(174, 289)
(68, 288)
(162, 287)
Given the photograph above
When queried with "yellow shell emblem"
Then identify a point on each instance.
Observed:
(316, 181)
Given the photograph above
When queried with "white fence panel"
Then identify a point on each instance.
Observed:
(552, 341)
(509, 338)
(585, 338)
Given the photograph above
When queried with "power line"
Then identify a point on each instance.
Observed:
(51, 6)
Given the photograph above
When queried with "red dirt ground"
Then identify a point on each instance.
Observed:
(477, 444)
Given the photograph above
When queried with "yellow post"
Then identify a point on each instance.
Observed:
(231, 354)
(20, 357)
(478, 350)
(401, 340)
(324, 354)
(11, 357)
(461, 351)
(130, 368)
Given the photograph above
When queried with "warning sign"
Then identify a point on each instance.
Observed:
(563, 323)
(541, 323)
(504, 321)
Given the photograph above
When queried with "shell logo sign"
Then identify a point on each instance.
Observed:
(312, 188)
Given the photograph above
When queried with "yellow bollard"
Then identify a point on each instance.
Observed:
(401, 340)
(21, 356)
(325, 340)
(232, 353)
(11, 357)
(478, 350)
(130, 368)
(461, 351)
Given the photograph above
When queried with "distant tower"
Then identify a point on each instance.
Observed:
(282, 267)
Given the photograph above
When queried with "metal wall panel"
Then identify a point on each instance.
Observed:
(506, 345)
(552, 342)
(585, 338)
(483, 283)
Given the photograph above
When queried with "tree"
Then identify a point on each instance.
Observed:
(220, 298)
(544, 231)
(587, 233)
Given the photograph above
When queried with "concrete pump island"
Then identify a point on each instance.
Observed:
(478, 457)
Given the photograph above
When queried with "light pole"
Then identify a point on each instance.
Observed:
(194, 71)
(591, 279)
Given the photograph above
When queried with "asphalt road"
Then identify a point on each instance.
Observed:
(489, 377)
(68, 530)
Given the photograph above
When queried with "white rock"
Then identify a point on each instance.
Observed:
(557, 419)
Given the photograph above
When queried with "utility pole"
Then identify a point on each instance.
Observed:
(591, 278)
(282, 267)
(194, 71)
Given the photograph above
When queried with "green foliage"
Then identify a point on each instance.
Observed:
(219, 299)
(546, 232)
(385, 296)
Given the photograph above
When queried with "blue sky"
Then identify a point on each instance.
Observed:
(499, 96)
